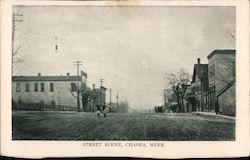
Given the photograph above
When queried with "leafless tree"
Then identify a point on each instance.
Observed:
(179, 82)
(82, 91)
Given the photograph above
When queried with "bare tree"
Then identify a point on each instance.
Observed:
(179, 82)
(83, 92)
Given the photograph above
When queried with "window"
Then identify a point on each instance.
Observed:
(36, 87)
(51, 87)
(212, 70)
(18, 88)
(27, 87)
(73, 87)
(42, 87)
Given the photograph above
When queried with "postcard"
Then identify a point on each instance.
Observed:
(152, 79)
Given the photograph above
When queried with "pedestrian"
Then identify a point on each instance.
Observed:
(98, 111)
(105, 111)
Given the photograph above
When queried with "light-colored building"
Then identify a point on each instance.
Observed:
(47, 90)
(221, 73)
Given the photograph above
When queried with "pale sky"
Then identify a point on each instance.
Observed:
(131, 48)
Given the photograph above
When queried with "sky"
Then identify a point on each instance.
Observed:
(131, 48)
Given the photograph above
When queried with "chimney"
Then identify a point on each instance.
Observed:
(39, 74)
(68, 74)
(93, 86)
(199, 60)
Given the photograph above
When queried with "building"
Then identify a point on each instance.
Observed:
(199, 86)
(46, 92)
(97, 96)
(170, 101)
(221, 73)
(188, 99)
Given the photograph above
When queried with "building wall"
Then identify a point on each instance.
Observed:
(227, 102)
(61, 94)
(221, 71)
(200, 94)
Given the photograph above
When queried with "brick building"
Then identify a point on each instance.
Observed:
(221, 73)
(32, 92)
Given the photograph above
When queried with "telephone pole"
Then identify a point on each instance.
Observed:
(78, 63)
(110, 95)
(117, 101)
(14, 20)
(101, 81)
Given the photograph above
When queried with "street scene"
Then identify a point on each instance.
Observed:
(121, 126)
(123, 73)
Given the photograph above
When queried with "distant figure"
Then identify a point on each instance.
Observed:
(98, 111)
(105, 111)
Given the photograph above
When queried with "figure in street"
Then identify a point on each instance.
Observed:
(98, 111)
(105, 111)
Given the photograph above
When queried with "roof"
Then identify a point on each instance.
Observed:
(225, 51)
(200, 70)
(46, 78)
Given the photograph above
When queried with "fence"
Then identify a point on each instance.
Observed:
(40, 107)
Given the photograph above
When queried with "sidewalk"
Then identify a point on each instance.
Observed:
(213, 114)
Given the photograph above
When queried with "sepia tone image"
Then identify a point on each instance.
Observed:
(163, 73)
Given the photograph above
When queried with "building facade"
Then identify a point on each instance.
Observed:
(97, 96)
(221, 73)
(199, 86)
(55, 91)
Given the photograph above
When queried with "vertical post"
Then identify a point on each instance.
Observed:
(12, 44)
(110, 95)
(78, 63)
(14, 20)
(202, 96)
(102, 99)
(101, 80)
(117, 102)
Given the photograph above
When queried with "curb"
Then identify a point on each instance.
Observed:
(214, 114)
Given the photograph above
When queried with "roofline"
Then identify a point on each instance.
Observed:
(194, 71)
(220, 51)
(43, 78)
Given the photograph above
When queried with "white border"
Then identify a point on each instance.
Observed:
(186, 149)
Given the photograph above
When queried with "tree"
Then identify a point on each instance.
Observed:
(82, 92)
(85, 100)
(179, 82)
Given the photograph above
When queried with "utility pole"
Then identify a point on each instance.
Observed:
(110, 95)
(102, 99)
(117, 101)
(78, 63)
(14, 20)
(101, 80)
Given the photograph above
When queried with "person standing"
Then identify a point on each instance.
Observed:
(105, 111)
(98, 111)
